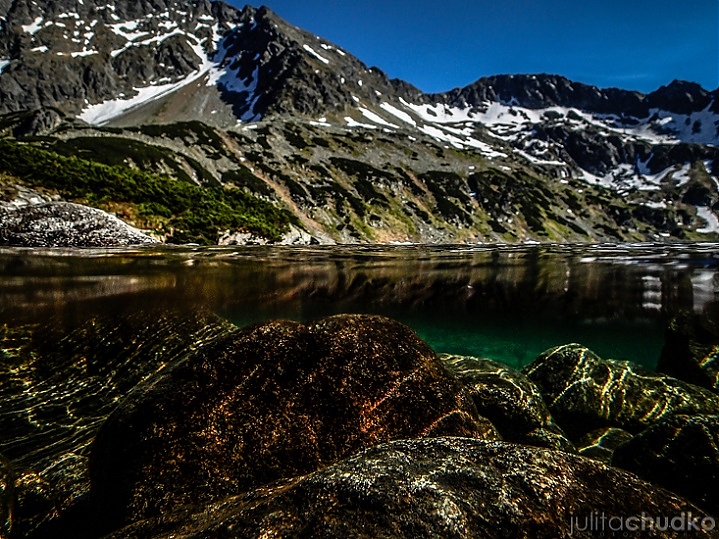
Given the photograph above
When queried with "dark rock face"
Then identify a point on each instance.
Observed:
(274, 54)
(591, 151)
(691, 351)
(63, 224)
(679, 453)
(541, 91)
(510, 401)
(440, 487)
(585, 392)
(600, 444)
(681, 96)
(103, 63)
(58, 383)
(270, 402)
(39, 122)
(129, 45)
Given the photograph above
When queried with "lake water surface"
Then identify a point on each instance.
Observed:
(505, 302)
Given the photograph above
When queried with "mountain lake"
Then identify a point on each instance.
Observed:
(504, 302)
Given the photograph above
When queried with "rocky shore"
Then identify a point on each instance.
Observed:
(64, 224)
(169, 424)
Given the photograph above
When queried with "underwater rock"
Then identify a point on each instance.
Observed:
(585, 392)
(63, 224)
(691, 350)
(268, 402)
(680, 454)
(59, 381)
(7, 496)
(43, 496)
(509, 400)
(601, 443)
(440, 487)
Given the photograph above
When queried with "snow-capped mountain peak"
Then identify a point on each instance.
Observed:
(160, 61)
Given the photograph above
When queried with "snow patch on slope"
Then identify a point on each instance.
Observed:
(507, 121)
(316, 54)
(372, 117)
(34, 27)
(712, 222)
(394, 111)
(102, 113)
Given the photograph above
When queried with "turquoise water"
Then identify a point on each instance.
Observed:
(507, 303)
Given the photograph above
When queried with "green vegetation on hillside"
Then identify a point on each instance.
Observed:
(183, 210)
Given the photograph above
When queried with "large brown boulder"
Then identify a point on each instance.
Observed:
(268, 402)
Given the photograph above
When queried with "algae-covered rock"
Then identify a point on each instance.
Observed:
(691, 349)
(7, 496)
(510, 401)
(680, 453)
(455, 488)
(269, 402)
(585, 392)
(601, 443)
(58, 382)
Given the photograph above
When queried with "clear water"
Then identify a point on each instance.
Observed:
(508, 303)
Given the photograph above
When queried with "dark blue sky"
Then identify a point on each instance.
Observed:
(439, 45)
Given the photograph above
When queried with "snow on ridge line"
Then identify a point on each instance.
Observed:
(315, 54)
(637, 176)
(3, 64)
(127, 29)
(83, 53)
(508, 119)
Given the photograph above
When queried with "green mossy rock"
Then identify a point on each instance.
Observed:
(585, 392)
(510, 401)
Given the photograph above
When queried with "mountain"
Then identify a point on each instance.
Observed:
(240, 99)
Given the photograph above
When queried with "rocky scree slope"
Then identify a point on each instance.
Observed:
(354, 155)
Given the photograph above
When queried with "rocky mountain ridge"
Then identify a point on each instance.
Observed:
(348, 150)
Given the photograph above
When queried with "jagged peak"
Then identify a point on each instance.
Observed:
(680, 96)
(539, 91)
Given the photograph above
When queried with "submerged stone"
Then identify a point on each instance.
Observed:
(7, 496)
(268, 402)
(454, 488)
(58, 382)
(680, 453)
(585, 392)
(601, 443)
(691, 349)
(510, 401)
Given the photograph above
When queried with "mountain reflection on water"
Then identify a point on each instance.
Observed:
(506, 302)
